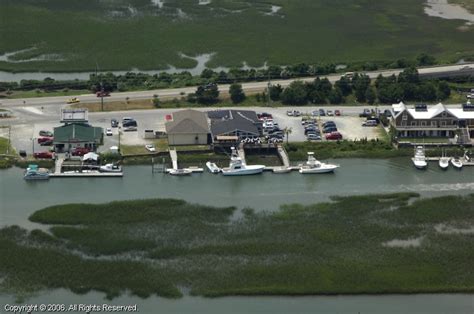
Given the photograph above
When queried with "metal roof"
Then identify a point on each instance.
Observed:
(74, 133)
(187, 121)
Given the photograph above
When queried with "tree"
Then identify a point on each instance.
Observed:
(207, 73)
(287, 131)
(370, 95)
(409, 75)
(295, 94)
(444, 91)
(207, 94)
(344, 86)
(335, 96)
(156, 101)
(236, 92)
(424, 59)
(275, 92)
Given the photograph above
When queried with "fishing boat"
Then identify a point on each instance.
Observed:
(444, 162)
(180, 172)
(212, 167)
(457, 163)
(281, 170)
(238, 167)
(315, 166)
(110, 168)
(33, 172)
(419, 160)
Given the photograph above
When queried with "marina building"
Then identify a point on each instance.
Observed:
(188, 127)
(234, 124)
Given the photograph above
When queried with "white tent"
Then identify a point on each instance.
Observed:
(90, 157)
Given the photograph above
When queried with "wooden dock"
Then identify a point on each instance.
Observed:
(283, 156)
(241, 152)
(92, 174)
(174, 158)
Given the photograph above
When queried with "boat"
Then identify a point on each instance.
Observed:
(33, 172)
(315, 166)
(180, 172)
(444, 162)
(419, 160)
(457, 163)
(281, 170)
(110, 168)
(238, 167)
(212, 167)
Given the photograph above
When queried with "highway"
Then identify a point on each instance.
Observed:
(448, 70)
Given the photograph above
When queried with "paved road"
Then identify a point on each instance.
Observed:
(248, 87)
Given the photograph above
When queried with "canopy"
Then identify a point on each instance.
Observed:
(90, 156)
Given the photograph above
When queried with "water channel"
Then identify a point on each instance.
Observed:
(18, 199)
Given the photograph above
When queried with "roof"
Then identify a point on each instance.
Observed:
(430, 113)
(77, 133)
(90, 156)
(461, 114)
(234, 120)
(187, 121)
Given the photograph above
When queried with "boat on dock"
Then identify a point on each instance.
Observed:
(110, 168)
(444, 161)
(315, 166)
(457, 163)
(180, 172)
(212, 167)
(33, 172)
(281, 170)
(238, 167)
(419, 160)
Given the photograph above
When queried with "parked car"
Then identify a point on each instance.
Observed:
(114, 123)
(337, 112)
(315, 113)
(322, 113)
(108, 132)
(22, 153)
(334, 136)
(45, 139)
(329, 123)
(127, 119)
(370, 123)
(73, 100)
(46, 133)
(329, 129)
(79, 151)
(365, 113)
(313, 137)
(150, 148)
(264, 116)
(307, 131)
(289, 113)
(330, 113)
(44, 155)
(102, 93)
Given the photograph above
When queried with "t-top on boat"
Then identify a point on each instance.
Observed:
(315, 166)
(419, 160)
(33, 172)
(238, 167)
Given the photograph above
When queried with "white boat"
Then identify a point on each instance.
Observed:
(212, 167)
(281, 170)
(238, 167)
(444, 162)
(35, 173)
(180, 172)
(457, 163)
(419, 160)
(315, 166)
(110, 168)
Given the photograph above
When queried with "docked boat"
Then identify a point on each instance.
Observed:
(212, 167)
(315, 166)
(419, 160)
(180, 172)
(444, 162)
(238, 167)
(281, 170)
(33, 172)
(110, 168)
(457, 163)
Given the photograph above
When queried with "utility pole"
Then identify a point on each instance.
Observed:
(33, 145)
(102, 96)
(9, 139)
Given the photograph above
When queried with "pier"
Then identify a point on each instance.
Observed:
(174, 158)
(91, 174)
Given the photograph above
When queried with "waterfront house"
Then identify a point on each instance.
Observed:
(234, 124)
(433, 121)
(188, 127)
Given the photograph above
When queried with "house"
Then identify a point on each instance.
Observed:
(188, 127)
(433, 121)
(234, 124)
(76, 132)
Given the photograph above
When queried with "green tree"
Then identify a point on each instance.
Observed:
(295, 94)
(236, 92)
(207, 94)
(360, 83)
(370, 95)
(344, 86)
(287, 131)
(444, 91)
(424, 59)
(335, 96)
(275, 92)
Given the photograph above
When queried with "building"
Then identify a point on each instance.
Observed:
(188, 127)
(433, 121)
(234, 124)
(76, 132)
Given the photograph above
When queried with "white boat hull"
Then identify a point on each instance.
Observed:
(281, 170)
(212, 167)
(180, 172)
(323, 169)
(444, 163)
(420, 164)
(248, 170)
(456, 163)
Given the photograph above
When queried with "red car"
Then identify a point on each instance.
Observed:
(45, 139)
(79, 151)
(334, 136)
(337, 112)
(102, 94)
(43, 155)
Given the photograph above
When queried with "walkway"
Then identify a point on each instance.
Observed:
(283, 156)
(174, 158)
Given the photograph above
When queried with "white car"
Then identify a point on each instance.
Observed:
(150, 148)
(108, 132)
(329, 113)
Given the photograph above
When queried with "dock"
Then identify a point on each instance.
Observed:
(174, 158)
(59, 164)
(241, 152)
(92, 174)
(283, 156)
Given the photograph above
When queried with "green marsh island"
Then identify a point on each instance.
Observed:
(374, 244)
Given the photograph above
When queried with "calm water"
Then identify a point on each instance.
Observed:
(266, 192)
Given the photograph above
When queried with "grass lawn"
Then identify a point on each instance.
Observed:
(372, 244)
(468, 4)
(124, 35)
(5, 148)
(42, 93)
(161, 145)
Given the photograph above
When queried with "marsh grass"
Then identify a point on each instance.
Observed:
(154, 246)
